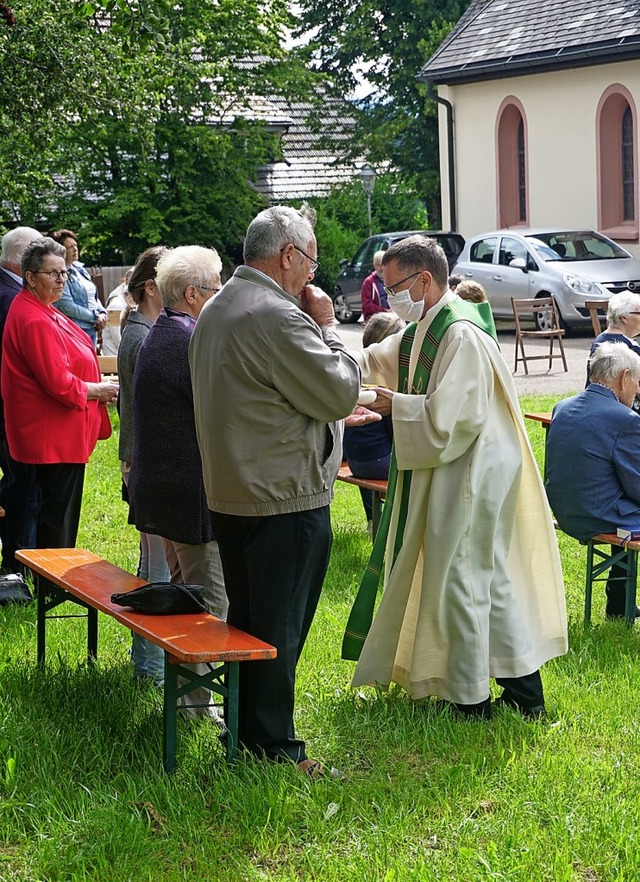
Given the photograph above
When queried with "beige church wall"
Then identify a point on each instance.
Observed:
(560, 124)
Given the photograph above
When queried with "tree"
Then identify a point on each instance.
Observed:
(134, 119)
(388, 42)
(342, 221)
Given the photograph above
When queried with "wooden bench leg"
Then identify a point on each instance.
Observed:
(625, 558)
(588, 588)
(233, 677)
(48, 597)
(630, 588)
(169, 715)
(92, 634)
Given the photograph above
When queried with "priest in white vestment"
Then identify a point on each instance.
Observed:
(476, 588)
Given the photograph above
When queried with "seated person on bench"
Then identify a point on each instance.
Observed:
(367, 449)
(593, 457)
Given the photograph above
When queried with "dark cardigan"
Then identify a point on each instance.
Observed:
(166, 489)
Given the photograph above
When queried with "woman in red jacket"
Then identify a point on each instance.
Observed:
(54, 398)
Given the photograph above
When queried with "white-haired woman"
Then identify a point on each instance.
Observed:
(166, 488)
(623, 326)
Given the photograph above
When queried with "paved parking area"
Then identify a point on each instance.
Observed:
(540, 380)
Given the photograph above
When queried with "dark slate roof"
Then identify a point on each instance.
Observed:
(503, 38)
(314, 138)
(312, 163)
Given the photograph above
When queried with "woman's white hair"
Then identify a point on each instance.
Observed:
(620, 305)
(183, 266)
(610, 360)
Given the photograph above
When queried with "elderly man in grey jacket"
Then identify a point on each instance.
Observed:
(271, 381)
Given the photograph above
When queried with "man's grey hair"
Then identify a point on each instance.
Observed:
(35, 253)
(610, 360)
(183, 266)
(15, 241)
(621, 305)
(276, 227)
(418, 253)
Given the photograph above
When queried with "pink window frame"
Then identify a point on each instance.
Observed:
(510, 112)
(611, 107)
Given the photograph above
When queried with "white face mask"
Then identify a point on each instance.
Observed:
(404, 307)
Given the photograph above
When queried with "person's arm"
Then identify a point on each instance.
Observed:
(626, 458)
(48, 360)
(311, 367)
(366, 295)
(74, 310)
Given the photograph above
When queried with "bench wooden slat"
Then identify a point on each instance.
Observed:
(344, 474)
(93, 580)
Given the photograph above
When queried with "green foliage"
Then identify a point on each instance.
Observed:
(132, 122)
(388, 43)
(342, 220)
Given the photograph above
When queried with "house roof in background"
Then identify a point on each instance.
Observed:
(503, 38)
(312, 163)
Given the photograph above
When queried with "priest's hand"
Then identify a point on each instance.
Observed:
(384, 401)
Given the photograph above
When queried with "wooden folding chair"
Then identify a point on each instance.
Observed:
(546, 308)
(594, 307)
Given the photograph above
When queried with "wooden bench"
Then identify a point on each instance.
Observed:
(71, 574)
(545, 420)
(600, 561)
(378, 489)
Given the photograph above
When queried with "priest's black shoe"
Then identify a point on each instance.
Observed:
(535, 712)
(480, 711)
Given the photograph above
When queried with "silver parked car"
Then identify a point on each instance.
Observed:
(573, 265)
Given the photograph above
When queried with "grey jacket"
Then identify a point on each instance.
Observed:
(269, 386)
(135, 330)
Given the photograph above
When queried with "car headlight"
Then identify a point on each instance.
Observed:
(581, 286)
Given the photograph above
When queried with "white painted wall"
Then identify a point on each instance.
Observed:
(560, 109)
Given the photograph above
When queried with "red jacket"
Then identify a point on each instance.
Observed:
(47, 362)
(371, 300)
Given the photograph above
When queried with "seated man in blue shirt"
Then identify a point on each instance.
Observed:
(593, 457)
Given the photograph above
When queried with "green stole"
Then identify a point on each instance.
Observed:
(361, 616)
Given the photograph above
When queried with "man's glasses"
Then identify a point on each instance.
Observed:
(54, 275)
(206, 288)
(314, 263)
(391, 292)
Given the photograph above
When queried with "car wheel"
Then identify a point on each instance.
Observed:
(344, 315)
(543, 318)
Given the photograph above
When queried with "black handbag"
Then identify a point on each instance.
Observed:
(14, 589)
(163, 598)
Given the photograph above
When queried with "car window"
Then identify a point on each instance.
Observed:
(511, 248)
(365, 255)
(451, 245)
(577, 245)
(482, 250)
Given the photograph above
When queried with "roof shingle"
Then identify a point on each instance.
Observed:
(497, 38)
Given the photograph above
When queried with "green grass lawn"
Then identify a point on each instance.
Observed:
(426, 797)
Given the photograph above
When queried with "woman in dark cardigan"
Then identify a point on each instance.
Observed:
(166, 489)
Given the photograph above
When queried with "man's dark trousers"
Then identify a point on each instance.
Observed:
(18, 497)
(274, 568)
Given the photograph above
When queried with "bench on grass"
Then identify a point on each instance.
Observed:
(83, 578)
(622, 552)
(378, 489)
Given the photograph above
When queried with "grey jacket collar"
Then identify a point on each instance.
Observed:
(250, 275)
